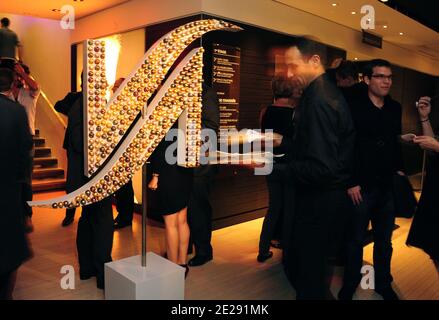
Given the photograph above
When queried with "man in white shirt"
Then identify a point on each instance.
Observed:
(26, 92)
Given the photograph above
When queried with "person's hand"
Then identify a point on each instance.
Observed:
(355, 194)
(153, 184)
(272, 136)
(424, 107)
(251, 165)
(400, 173)
(427, 143)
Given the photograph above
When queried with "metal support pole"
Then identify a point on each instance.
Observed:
(144, 210)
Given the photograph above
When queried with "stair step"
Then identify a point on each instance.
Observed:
(45, 162)
(47, 185)
(39, 142)
(41, 173)
(42, 152)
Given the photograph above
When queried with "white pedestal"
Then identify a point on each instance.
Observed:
(126, 279)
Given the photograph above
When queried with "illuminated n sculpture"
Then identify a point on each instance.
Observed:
(106, 124)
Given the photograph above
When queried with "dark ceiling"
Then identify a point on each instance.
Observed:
(423, 11)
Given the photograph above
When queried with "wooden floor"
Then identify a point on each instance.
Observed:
(233, 274)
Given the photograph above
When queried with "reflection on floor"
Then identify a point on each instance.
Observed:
(233, 274)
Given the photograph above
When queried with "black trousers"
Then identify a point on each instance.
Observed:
(125, 203)
(377, 207)
(70, 212)
(318, 227)
(6, 283)
(200, 210)
(27, 193)
(94, 239)
(280, 211)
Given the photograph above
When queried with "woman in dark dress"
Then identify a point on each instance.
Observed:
(279, 118)
(173, 185)
(424, 232)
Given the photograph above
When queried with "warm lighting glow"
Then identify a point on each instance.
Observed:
(334, 4)
(401, 33)
(112, 51)
(355, 58)
(353, 12)
(385, 27)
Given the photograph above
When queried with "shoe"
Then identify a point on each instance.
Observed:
(68, 220)
(387, 294)
(346, 293)
(120, 225)
(199, 260)
(100, 284)
(28, 225)
(187, 269)
(264, 256)
(86, 275)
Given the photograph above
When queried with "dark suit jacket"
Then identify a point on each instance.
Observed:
(74, 144)
(15, 146)
(323, 143)
(63, 106)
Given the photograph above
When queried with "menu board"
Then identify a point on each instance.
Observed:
(226, 81)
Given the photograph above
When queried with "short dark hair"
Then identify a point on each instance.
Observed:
(282, 87)
(347, 69)
(308, 48)
(368, 68)
(5, 22)
(6, 79)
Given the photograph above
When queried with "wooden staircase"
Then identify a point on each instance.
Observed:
(46, 175)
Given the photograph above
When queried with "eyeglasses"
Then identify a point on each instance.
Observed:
(382, 77)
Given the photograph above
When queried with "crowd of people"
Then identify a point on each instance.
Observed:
(343, 150)
(339, 141)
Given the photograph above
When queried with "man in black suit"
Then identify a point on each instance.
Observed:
(322, 151)
(199, 209)
(63, 106)
(378, 158)
(94, 238)
(16, 145)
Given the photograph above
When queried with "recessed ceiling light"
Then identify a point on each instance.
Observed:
(401, 33)
(335, 4)
(384, 0)
(353, 12)
(355, 58)
(56, 10)
(385, 27)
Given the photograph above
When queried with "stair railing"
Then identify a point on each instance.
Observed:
(58, 116)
